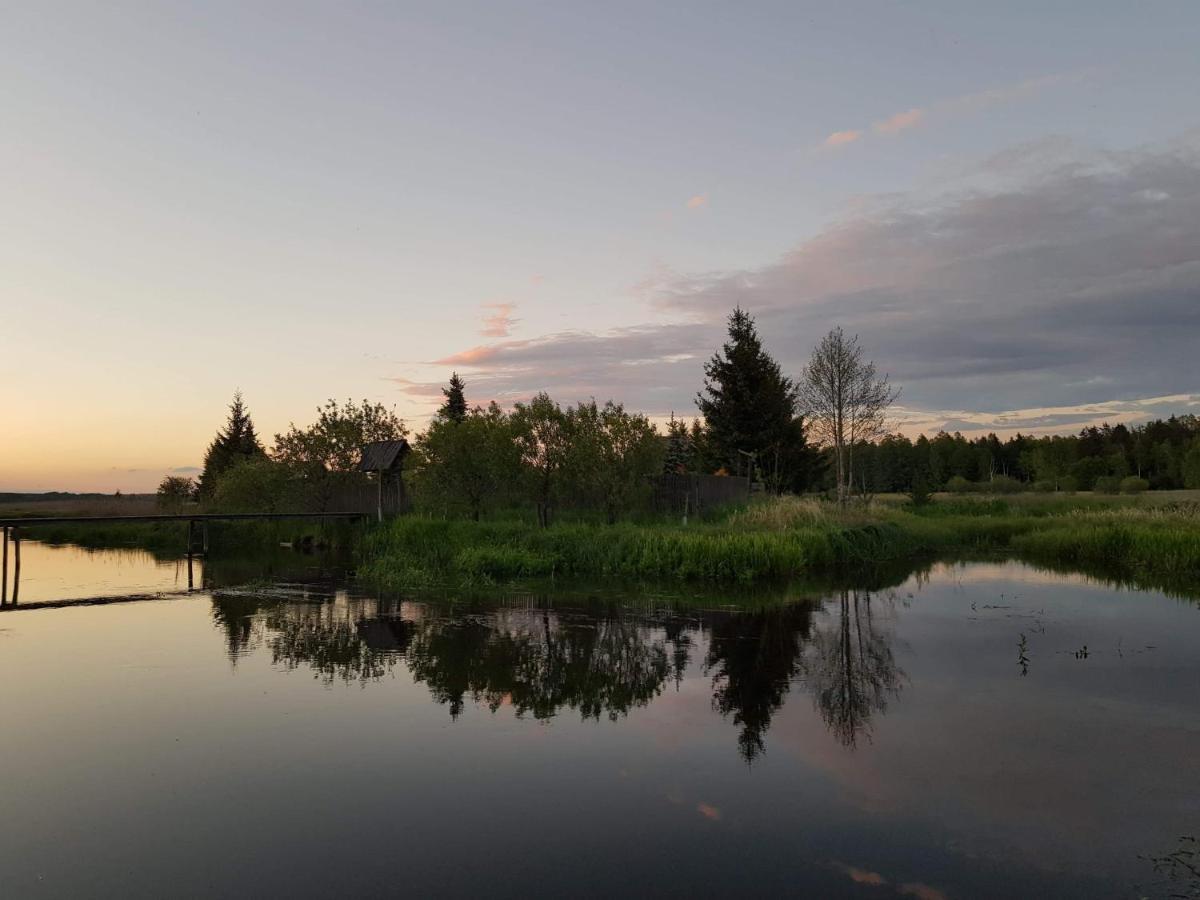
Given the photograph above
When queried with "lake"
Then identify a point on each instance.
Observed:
(975, 730)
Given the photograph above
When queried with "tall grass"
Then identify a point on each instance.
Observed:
(789, 538)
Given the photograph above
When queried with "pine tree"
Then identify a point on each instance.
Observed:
(679, 447)
(235, 442)
(748, 403)
(455, 407)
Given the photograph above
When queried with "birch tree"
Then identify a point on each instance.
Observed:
(845, 401)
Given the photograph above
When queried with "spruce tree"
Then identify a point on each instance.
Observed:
(748, 403)
(455, 407)
(679, 447)
(235, 442)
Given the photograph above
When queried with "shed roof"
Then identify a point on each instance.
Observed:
(383, 455)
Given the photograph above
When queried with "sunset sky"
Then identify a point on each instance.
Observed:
(313, 200)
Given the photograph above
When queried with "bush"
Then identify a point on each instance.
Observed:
(1044, 487)
(1134, 485)
(959, 485)
(1107, 484)
(1003, 484)
(919, 494)
(174, 492)
(254, 485)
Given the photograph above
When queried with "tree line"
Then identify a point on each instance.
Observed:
(473, 460)
(825, 430)
(1161, 455)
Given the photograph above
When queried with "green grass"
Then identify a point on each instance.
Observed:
(1152, 547)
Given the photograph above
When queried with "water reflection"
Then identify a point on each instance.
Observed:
(753, 658)
(600, 660)
(851, 669)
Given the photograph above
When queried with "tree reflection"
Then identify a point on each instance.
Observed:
(599, 662)
(538, 663)
(850, 668)
(753, 659)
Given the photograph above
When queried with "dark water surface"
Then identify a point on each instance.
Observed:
(948, 737)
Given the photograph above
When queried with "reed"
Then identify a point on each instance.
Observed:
(790, 538)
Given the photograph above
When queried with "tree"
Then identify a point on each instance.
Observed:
(846, 401)
(792, 464)
(473, 461)
(747, 402)
(455, 407)
(334, 441)
(174, 491)
(540, 430)
(236, 442)
(1191, 466)
(611, 454)
(257, 485)
(700, 458)
(678, 457)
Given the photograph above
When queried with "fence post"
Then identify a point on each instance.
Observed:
(16, 536)
(4, 581)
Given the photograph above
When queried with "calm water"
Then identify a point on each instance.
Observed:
(947, 737)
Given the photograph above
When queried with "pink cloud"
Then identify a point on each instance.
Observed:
(469, 357)
(698, 201)
(839, 138)
(500, 322)
(900, 121)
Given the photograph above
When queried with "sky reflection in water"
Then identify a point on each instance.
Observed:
(873, 743)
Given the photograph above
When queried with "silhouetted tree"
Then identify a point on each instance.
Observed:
(747, 402)
(334, 441)
(678, 456)
(455, 407)
(845, 400)
(174, 491)
(234, 443)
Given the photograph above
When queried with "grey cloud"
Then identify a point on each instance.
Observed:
(1077, 282)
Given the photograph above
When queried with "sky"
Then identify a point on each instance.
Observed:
(315, 200)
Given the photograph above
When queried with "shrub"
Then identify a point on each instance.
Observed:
(1068, 485)
(174, 492)
(1044, 487)
(919, 494)
(1003, 484)
(1107, 484)
(959, 485)
(1134, 485)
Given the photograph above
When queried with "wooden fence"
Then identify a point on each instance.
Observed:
(362, 494)
(692, 494)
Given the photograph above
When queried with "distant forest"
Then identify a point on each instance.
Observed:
(1165, 454)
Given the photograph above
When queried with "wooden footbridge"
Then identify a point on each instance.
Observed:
(197, 535)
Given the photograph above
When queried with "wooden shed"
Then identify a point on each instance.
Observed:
(385, 460)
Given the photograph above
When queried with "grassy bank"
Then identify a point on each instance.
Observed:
(794, 538)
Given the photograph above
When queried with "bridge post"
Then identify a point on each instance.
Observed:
(16, 537)
(4, 569)
(191, 540)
